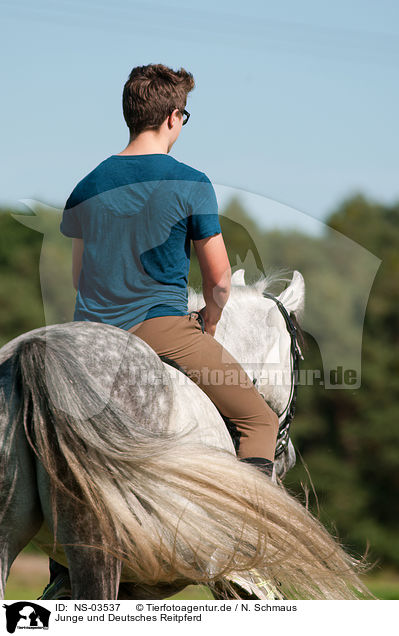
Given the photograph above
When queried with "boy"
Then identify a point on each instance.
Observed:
(132, 220)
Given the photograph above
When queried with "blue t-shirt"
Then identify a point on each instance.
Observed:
(137, 215)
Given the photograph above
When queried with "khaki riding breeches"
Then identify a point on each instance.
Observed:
(182, 340)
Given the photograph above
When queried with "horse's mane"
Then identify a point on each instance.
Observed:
(271, 281)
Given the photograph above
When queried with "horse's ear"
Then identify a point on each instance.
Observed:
(237, 279)
(293, 297)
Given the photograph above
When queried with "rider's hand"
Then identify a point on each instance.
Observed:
(209, 320)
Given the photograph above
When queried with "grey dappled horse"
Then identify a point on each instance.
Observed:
(129, 465)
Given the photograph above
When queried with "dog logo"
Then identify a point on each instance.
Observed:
(26, 615)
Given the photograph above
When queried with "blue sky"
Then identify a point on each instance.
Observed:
(295, 103)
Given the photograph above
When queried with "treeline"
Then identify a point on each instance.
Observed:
(348, 438)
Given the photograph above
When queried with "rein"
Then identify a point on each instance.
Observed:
(296, 354)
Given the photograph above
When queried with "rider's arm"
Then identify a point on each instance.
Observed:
(77, 254)
(216, 276)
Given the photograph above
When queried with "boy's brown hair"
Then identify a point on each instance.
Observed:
(153, 92)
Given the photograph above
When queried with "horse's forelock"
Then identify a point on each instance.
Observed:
(270, 281)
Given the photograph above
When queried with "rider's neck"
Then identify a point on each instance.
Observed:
(149, 142)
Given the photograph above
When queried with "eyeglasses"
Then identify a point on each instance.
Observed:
(186, 115)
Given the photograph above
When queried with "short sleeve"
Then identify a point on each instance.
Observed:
(203, 219)
(70, 223)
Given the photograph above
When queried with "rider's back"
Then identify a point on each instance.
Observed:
(137, 215)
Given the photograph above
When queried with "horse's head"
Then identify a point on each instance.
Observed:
(252, 328)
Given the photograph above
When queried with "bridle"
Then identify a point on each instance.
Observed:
(296, 354)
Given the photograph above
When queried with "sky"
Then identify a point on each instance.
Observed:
(295, 105)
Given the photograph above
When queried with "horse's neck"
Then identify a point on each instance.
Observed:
(243, 328)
